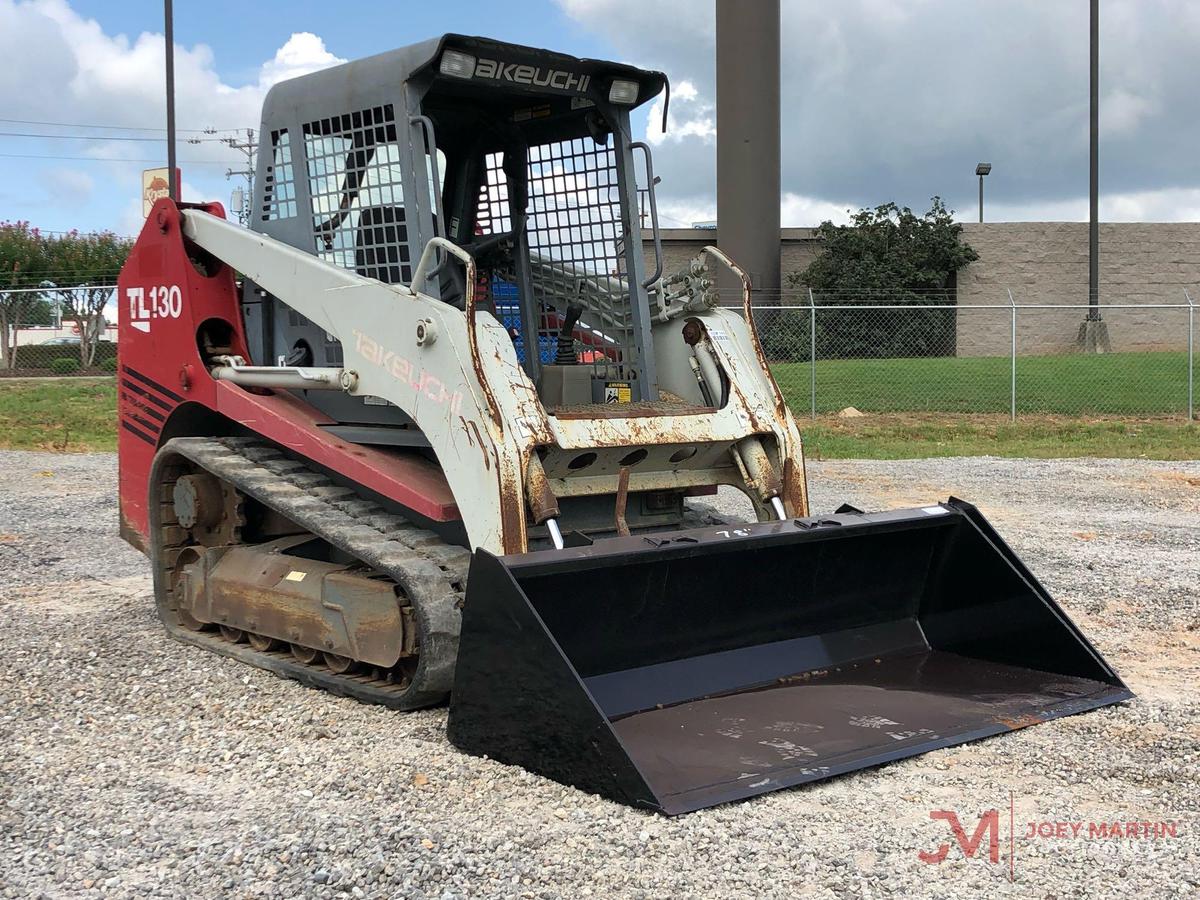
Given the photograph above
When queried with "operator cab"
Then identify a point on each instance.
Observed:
(521, 156)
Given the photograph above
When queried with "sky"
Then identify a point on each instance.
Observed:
(882, 99)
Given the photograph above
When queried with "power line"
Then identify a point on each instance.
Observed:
(117, 159)
(115, 137)
(75, 287)
(114, 127)
(50, 276)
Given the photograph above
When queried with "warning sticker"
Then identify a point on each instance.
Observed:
(617, 392)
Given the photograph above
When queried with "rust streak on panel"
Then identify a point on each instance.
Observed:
(622, 499)
(542, 502)
(795, 488)
(493, 407)
(512, 511)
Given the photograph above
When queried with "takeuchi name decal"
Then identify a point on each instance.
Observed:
(420, 380)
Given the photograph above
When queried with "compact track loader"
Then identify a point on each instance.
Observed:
(430, 426)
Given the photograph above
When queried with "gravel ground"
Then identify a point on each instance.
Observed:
(132, 765)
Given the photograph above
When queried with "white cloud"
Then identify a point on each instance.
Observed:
(113, 78)
(688, 116)
(1123, 112)
(304, 52)
(67, 187)
(1166, 205)
(685, 91)
(899, 99)
(61, 66)
(795, 211)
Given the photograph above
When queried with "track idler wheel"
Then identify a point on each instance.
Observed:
(306, 655)
(342, 665)
(179, 591)
(262, 643)
(233, 635)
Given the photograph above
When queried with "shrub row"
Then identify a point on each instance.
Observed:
(924, 328)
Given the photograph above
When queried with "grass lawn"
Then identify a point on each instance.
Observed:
(917, 435)
(72, 414)
(79, 414)
(1121, 384)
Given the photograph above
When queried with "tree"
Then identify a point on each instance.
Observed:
(86, 268)
(38, 311)
(22, 264)
(890, 255)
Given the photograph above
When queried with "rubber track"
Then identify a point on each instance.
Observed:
(432, 573)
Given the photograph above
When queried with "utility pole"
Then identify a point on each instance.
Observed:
(169, 35)
(748, 151)
(249, 148)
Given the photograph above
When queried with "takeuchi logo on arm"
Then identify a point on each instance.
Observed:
(402, 369)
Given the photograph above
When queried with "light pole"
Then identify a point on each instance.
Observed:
(1093, 331)
(981, 170)
(1094, 167)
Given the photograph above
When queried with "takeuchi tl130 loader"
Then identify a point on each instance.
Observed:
(429, 428)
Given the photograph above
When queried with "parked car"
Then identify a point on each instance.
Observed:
(67, 346)
(70, 340)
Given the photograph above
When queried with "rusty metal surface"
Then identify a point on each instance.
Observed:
(266, 592)
(641, 482)
(493, 408)
(431, 572)
(795, 487)
(637, 410)
(781, 408)
(622, 500)
(543, 504)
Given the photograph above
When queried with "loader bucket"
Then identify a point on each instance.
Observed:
(681, 671)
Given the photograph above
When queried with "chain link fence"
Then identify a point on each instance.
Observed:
(885, 352)
(929, 355)
(60, 356)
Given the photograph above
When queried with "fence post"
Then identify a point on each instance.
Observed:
(1191, 355)
(812, 352)
(1012, 390)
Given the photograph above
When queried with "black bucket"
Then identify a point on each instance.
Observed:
(686, 670)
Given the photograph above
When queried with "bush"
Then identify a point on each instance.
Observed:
(64, 365)
(109, 365)
(105, 350)
(893, 257)
(785, 336)
(926, 328)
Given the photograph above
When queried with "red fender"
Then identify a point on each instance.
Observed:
(164, 302)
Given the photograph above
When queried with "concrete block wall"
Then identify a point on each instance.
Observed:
(1043, 263)
(797, 246)
(1047, 263)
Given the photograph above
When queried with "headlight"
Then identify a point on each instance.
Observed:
(457, 64)
(623, 92)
